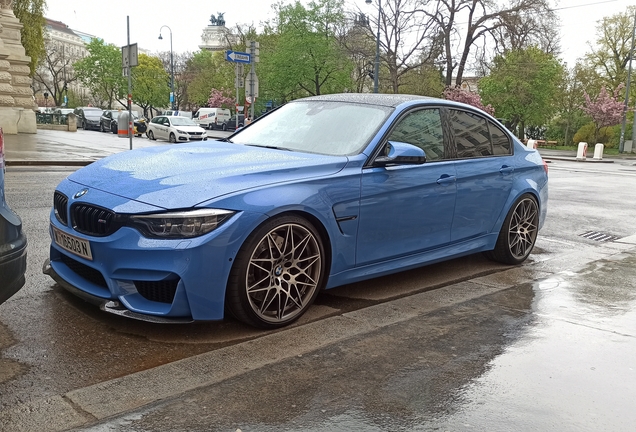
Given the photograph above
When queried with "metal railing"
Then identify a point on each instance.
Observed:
(51, 118)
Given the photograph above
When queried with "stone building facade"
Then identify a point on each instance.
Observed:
(17, 105)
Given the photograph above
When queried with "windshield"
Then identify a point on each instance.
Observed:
(329, 128)
(182, 121)
(92, 114)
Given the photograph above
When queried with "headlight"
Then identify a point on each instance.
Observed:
(181, 132)
(181, 224)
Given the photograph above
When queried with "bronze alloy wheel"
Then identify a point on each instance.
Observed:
(277, 274)
(518, 233)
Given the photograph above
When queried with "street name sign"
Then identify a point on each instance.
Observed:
(237, 57)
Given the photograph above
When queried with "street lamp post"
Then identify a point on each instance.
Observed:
(171, 66)
(376, 66)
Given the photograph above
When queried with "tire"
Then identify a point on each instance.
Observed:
(518, 233)
(151, 136)
(84, 125)
(277, 273)
(172, 138)
(224, 127)
(101, 127)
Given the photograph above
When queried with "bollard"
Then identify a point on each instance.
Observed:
(598, 151)
(581, 155)
(122, 124)
(531, 144)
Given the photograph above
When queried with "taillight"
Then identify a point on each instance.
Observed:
(545, 166)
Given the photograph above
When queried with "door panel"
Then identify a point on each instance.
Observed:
(404, 210)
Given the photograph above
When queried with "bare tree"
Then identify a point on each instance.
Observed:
(522, 29)
(408, 39)
(55, 71)
(463, 23)
(180, 61)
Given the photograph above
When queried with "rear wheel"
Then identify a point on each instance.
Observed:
(172, 138)
(151, 136)
(277, 273)
(518, 233)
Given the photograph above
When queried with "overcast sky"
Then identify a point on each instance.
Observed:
(187, 19)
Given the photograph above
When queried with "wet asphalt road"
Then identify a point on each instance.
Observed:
(462, 355)
(554, 355)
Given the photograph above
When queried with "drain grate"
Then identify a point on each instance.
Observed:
(598, 236)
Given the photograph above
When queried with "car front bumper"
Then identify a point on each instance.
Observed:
(157, 280)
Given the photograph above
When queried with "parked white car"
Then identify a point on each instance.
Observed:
(175, 129)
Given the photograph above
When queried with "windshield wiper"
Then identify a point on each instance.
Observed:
(269, 147)
(226, 140)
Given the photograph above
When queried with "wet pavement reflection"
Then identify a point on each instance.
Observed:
(555, 355)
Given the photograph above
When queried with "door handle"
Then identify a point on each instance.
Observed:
(506, 169)
(445, 179)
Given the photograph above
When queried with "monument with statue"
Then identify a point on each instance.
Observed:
(17, 105)
(216, 37)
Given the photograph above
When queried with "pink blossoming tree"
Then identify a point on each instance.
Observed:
(218, 99)
(605, 110)
(458, 95)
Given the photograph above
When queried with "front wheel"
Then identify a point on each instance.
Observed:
(172, 138)
(277, 273)
(518, 233)
(224, 127)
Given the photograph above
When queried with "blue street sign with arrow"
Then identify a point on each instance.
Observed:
(237, 57)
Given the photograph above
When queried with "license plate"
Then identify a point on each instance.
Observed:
(72, 244)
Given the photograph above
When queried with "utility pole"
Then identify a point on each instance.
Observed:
(621, 145)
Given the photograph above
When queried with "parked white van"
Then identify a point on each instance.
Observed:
(211, 118)
(187, 114)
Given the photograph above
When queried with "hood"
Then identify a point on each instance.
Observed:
(182, 176)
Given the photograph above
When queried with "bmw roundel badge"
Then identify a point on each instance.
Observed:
(80, 193)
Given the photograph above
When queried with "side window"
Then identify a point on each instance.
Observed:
(501, 144)
(422, 128)
(472, 138)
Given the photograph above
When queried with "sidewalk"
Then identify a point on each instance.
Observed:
(50, 147)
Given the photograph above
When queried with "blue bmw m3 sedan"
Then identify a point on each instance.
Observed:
(323, 191)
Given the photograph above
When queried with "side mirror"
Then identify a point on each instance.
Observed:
(400, 153)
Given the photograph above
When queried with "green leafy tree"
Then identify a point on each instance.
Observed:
(522, 87)
(206, 70)
(425, 80)
(610, 56)
(570, 98)
(149, 81)
(307, 58)
(31, 15)
(101, 73)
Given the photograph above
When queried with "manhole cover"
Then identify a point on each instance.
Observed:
(598, 236)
